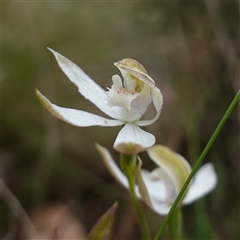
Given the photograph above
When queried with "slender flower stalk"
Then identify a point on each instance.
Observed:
(125, 102)
(198, 163)
(129, 166)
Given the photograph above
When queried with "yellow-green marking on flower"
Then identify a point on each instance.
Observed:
(171, 164)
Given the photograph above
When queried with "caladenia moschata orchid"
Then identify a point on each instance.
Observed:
(125, 102)
(160, 187)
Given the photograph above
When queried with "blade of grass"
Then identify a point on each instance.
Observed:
(199, 162)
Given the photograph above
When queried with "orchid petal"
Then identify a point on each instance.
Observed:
(86, 86)
(157, 191)
(76, 117)
(175, 166)
(156, 188)
(160, 207)
(132, 139)
(141, 102)
(204, 182)
(157, 99)
(111, 165)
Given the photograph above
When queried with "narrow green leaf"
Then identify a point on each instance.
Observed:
(175, 225)
(103, 228)
(199, 162)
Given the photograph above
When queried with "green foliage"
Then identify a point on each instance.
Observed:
(103, 229)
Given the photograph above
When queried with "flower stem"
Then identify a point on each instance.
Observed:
(129, 164)
(198, 163)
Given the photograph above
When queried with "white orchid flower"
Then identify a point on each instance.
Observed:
(160, 187)
(125, 102)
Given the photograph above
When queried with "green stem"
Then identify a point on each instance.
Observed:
(129, 164)
(175, 225)
(198, 163)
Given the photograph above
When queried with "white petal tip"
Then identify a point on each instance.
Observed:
(111, 165)
(56, 54)
(50, 49)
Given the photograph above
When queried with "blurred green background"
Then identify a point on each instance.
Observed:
(190, 49)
